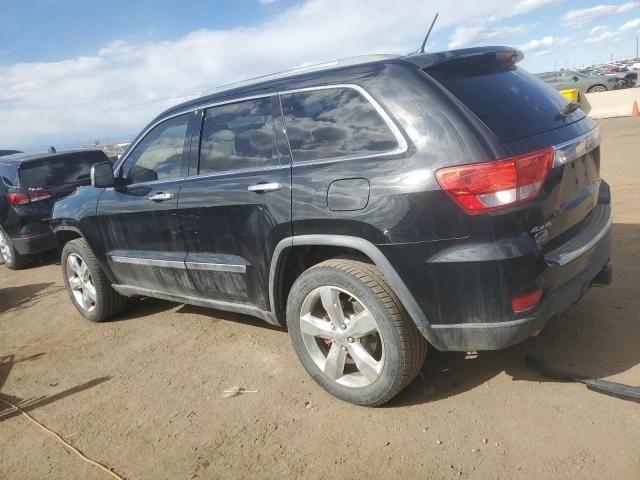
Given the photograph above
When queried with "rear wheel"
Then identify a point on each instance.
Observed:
(87, 285)
(11, 258)
(351, 333)
(597, 89)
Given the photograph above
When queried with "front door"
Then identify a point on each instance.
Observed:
(139, 221)
(236, 206)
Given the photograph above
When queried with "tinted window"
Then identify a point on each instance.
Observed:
(59, 170)
(8, 175)
(237, 136)
(158, 156)
(512, 103)
(334, 123)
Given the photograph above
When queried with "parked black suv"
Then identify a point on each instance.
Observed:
(30, 184)
(371, 206)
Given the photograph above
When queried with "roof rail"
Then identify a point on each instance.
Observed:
(344, 62)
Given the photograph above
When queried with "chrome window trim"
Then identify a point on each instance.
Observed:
(217, 267)
(575, 148)
(230, 173)
(400, 139)
(193, 109)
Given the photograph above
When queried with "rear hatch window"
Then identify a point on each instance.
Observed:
(512, 103)
(60, 170)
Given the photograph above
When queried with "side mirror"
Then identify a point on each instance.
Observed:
(575, 79)
(102, 175)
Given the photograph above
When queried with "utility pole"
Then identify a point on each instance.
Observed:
(637, 57)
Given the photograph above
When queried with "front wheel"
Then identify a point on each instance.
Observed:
(352, 334)
(597, 89)
(87, 285)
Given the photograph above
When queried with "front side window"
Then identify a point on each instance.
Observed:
(238, 136)
(158, 156)
(332, 123)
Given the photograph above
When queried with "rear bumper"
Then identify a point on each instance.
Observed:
(465, 291)
(499, 335)
(34, 244)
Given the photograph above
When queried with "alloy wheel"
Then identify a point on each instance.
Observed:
(342, 337)
(5, 248)
(81, 283)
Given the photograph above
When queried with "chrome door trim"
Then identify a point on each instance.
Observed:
(149, 262)
(216, 267)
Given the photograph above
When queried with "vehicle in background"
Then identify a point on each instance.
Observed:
(568, 79)
(370, 205)
(636, 66)
(630, 78)
(8, 152)
(30, 183)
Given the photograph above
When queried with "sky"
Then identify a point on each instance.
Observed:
(76, 71)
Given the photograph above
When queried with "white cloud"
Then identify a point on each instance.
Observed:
(609, 37)
(524, 6)
(547, 41)
(598, 28)
(579, 17)
(122, 86)
(542, 52)
(267, 2)
(630, 25)
(474, 34)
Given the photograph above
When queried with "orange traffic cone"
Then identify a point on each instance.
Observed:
(635, 112)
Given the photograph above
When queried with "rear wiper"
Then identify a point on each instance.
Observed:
(567, 110)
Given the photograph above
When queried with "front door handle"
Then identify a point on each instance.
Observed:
(161, 197)
(264, 187)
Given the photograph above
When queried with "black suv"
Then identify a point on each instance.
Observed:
(30, 183)
(369, 205)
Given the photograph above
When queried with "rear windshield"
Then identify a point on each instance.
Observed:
(58, 171)
(511, 102)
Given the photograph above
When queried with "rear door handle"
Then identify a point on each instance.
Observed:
(161, 197)
(264, 187)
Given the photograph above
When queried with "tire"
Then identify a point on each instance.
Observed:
(102, 301)
(11, 258)
(393, 355)
(597, 89)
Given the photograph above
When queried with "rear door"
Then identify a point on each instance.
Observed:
(139, 221)
(236, 204)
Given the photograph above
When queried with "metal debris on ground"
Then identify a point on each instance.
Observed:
(235, 391)
(614, 389)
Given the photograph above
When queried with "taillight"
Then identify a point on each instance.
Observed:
(491, 186)
(20, 198)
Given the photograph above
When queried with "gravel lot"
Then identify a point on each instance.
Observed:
(143, 393)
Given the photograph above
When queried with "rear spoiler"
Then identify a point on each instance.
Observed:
(466, 57)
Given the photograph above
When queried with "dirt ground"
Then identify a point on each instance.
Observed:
(143, 394)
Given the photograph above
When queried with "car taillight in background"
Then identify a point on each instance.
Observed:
(21, 198)
(495, 185)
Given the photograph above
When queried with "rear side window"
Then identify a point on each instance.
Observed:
(333, 123)
(238, 136)
(59, 170)
(511, 102)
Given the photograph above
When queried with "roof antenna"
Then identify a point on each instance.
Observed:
(424, 43)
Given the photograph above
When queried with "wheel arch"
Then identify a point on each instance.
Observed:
(359, 246)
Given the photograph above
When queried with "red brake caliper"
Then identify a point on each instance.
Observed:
(327, 341)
